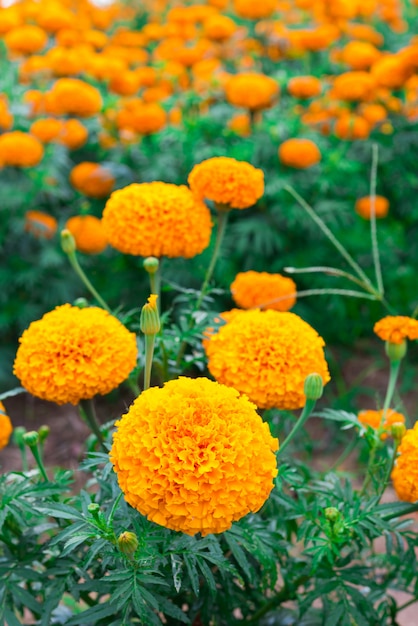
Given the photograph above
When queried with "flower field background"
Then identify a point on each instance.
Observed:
(208, 210)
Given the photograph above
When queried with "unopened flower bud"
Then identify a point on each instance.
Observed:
(150, 319)
(67, 241)
(332, 514)
(396, 351)
(43, 432)
(397, 430)
(18, 434)
(31, 438)
(128, 543)
(313, 386)
(151, 264)
(81, 303)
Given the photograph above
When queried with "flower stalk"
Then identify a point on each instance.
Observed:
(31, 439)
(88, 413)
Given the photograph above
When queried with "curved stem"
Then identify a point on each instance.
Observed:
(307, 410)
(393, 377)
(149, 353)
(222, 222)
(80, 273)
(330, 271)
(39, 461)
(88, 413)
(373, 230)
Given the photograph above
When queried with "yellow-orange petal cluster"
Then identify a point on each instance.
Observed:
(299, 153)
(363, 207)
(157, 219)
(405, 472)
(6, 427)
(92, 179)
(194, 456)
(267, 355)
(73, 96)
(19, 149)
(228, 182)
(40, 224)
(88, 233)
(396, 328)
(263, 290)
(374, 419)
(72, 354)
(251, 90)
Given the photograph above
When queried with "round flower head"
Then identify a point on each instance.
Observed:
(194, 456)
(263, 290)
(18, 149)
(228, 182)
(405, 472)
(396, 328)
(87, 231)
(374, 419)
(92, 179)
(5, 427)
(73, 96)
(72, 354)
(304, 87)
(251, 90)
(267, 355)
(157, 219)
(299, 153)
(40, 224)
(364, 207)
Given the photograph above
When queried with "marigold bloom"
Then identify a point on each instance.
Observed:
(391, 72)
(261, 289)
(267, 355)
(143, 118)
(88, 233)
(194, 456)
(299, 153)
(304, 87)
(360, 55)
(396, 328)
(20, 149)
(47, 129)
(40, 224)
(92, 179)
(219, 27)
(254, 9)
(73, 134)
(228, 182)
(72, 354)
(251, 90)
(405, 472)
(353, 86)
(6, 118)
(6, 427)
(26, 39)
(72, 96)
(374, 419)
(351, 127)
(363, 207)
(157, 219)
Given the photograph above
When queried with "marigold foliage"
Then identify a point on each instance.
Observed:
(72, 354)
(157, 219)
(6, 427)
(20, 149)
(396, 328)
(228, 182)
(261, 289)
(267, 355)
(405, 472)
(194, 456)
(374, 419)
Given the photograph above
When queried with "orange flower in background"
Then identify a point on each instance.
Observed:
(353, 86)
(352, 127)
(72, 354)
(373, 113)
(255, 9)
(364, 207)
(396, 328)
(299, 153)
(10, 17)
(72, 96)
(405, 472)
(54, 16)
(40, 224)
(267, 355)
(227, 182)
(374, 420)
(92, 179)
(261, 289)
(194, 456)
(143, 118)
(251, 90)
(88, 233)
(26, 39)
(18, 149)
(47, 129)
(219, 27)
(6, 118)
(6, 427)
(360, 55)
(391, 71)
(240, 123)
(304, 87)
(73, 134)
(157, 219)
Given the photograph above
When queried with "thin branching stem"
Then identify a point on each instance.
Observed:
(373, 229)
(307, 410)
(319, 292)
(80, 273)
(330, 271)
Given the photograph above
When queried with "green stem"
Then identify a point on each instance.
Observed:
(289, 592)
(72, 257)
(345, 454)
(390, 467)
(39, 462)
(155, 283)
(149, 353)
(222, 222)
(330, 271)
(373, 230)
(322, 292)
(88, 413)
(307, 410)
(344, 253)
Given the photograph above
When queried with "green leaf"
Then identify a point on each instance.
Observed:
(10, 618)
(90, 616)
(61, 511)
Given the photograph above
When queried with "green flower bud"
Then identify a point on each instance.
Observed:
(396, 351)
(397, 430)
(18, 434)
(332, 514)
(82, 303)
(43, 432)
(313, 386)
(128, 543)
(151, 264)
(31, 438)
(93, 508)
(67, 241)
(150, 320)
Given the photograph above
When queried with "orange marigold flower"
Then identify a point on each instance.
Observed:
(72, 354)
(194, 456)
(40, 224)
(360, 55)
(304, 87)
(352, 127)
(20, 149)
(374, 419)
(251, 90)
(73, 134)
(396, 328)
(373, 113)
(143, 118)
(405, 472)
(157, 219)
(391, 71)
(227, 182)
(47, 129)
(88, 233)
(6, 118)
(92, 179)
(255, 9)
(263, 290)
(353, 86)
(72, 96)
(267, 355)
(363, 207)
(299, 153)
(219, 27)
(6, 427)
(26, 39)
